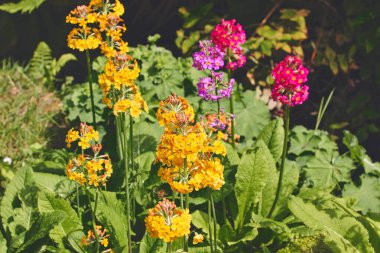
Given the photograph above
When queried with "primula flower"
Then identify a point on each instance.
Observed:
(167, 222)
(186, 152)
(228, 34)
(290, 77)
(88, 170)
(89, 240)
(229, 37)
(173, 110)
(84, 38)
(213, 88)
(198, 238)
(209, 56)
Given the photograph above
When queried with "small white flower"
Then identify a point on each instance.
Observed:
(7, 160)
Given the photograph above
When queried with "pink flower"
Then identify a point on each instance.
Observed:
(228, 34)
(290, 77)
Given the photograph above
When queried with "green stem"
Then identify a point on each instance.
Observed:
(209, 226)
(78, 204)
(187, 204)
(232, 110)
(119, 137)
(169, 247)
(126, 167)
(282, 166)
(93, 217)
(215, 222)
(89, 72)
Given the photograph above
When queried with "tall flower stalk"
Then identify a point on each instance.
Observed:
(290, 89)
(84, 38)
(222, 51)
(186, 153)
(89, 170)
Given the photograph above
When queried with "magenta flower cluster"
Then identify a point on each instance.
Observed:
(290, 77)
(209, 57)
(229, 37)
(213, 88)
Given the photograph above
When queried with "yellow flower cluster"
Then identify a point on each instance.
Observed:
(186, 152)
(85, 36)
(90, 239)
(99, 26)
(167, 222)
(85, 169)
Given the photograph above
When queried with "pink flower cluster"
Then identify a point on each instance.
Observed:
(209, 56)
(213, 88)
(229, 36)
(290, 77)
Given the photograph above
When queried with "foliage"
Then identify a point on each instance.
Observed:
(22, 6)
(330, 198)
(28, 106)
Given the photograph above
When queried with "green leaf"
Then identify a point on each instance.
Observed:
(345, 234)
(48, 203)
(358, 154)
(22, 5)
(22, 178)
(326, 171)
(61, 62)
(3, 243)
(200, 220)
(289, 183)
(232, 155)
(367, 194)
(254, 110)
(42, 227)
(151, 245)
(112, 215)
(252, 176)
(273, 137)
(60, 185)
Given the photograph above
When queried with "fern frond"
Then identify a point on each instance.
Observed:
(41, 61)
(23, 6)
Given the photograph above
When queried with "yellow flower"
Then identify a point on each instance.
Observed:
(84, 38)
(104, 242)
(166, 222)
(174, 106)
(71, 136)
(121, 106)
(198, 238)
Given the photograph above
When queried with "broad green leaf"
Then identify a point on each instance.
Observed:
(111, 213)
(151, 245)
(273, 137)
(200, 220)
(289, 183)
(367, 194)
(325, 171)
(251, 177)
(48, 203)
(358, 154)
(232, 155)
(42, 227)
(23, 177)
(345, 234)
(252, 117)
(60, 185)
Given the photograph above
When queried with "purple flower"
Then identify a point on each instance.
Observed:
(213, 88)
(209, 57)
